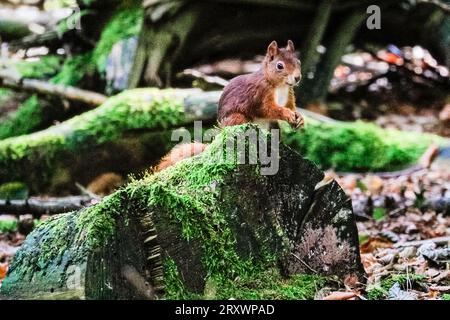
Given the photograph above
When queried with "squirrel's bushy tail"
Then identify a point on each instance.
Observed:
(180, 152)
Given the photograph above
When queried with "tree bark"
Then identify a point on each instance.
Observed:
(185, 228)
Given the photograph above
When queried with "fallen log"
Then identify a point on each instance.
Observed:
(40, 206)
(133, 113)
(188, 232)
(46, 88)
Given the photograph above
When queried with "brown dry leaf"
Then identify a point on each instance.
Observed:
(3, 270)
(351, 281)
(374, 184)
(440, 288)
(337, 295)
(375, 243)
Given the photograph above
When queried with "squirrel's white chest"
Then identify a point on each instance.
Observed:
(281, 95)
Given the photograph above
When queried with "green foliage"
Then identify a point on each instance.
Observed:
(379, 213)
(126, 22)
(13, 191)
(8, 226)
(446, 296)
(358, 146)
(74, 70)
(25, 120)
(45, 67)
(363, 238)
(5, 95)
(381, 290)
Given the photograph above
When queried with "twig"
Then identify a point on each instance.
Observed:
(418, 243)
(303, 262)
(40, 206)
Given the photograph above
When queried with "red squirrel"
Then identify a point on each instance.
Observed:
(266, 94)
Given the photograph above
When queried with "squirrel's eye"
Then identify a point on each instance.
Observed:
(280, 66)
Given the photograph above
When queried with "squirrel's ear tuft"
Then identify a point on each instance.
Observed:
(290, 46)
(272, 49)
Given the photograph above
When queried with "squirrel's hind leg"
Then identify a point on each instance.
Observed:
(234, 119)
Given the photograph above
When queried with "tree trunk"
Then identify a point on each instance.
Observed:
(315, 35)
(316, 89)
(187, 231)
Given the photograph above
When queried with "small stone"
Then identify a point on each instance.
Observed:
(408, 252)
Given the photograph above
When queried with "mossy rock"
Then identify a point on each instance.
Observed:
(209, 227)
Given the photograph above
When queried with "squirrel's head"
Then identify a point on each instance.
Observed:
(281, 65)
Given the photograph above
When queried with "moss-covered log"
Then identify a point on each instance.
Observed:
(188, 232)
(35, 158)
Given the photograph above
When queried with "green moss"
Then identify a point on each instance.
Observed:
(172, 281)
(134, 109)
(45, 67)
(124, 24)
(203, 219)
(379, 213)
(268, 284)
(74, 70)
(358, 146)
(26, 119)
(381, 290)
(13, 191)
(96, 224)
(8, 226)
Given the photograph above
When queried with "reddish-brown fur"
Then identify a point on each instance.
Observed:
(180, 152)
(252, 96)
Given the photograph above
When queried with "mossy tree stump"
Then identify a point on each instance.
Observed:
(207, 227)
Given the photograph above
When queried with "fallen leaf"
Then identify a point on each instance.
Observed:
(3, 270)
(375, 243)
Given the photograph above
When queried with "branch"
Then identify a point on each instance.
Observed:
(8, 80)
(40, 206)
(418, 243)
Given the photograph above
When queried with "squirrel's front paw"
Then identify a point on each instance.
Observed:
(299, 120)
(295, 119)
